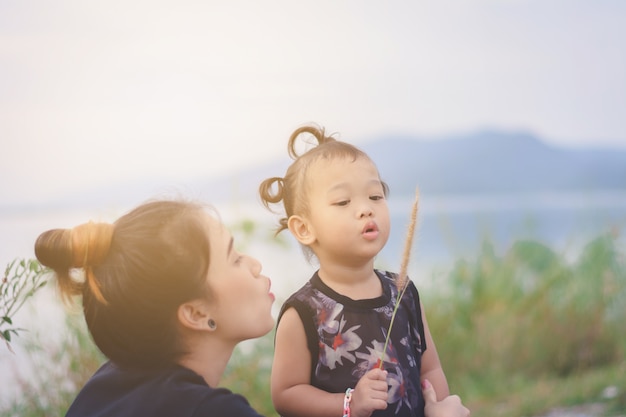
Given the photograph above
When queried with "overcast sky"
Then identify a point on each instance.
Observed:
(95, 92)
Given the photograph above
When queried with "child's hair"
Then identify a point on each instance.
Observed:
(137, 272)
(292, 189)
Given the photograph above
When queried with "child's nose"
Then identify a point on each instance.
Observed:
(365, 210)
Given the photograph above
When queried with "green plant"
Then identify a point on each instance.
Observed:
(248, 373)
(22, 279)
(61, 370)
(530, 315)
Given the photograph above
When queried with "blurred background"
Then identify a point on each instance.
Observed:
(509, 115)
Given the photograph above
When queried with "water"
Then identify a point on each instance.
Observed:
(453, 227)
(449, 227)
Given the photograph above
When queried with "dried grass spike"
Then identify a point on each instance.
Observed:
(406, 255)
(402, 281)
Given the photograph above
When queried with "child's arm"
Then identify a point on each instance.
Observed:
(431, 366)
(292, 393)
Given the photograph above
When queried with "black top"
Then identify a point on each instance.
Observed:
(346, 339)
(172, 392)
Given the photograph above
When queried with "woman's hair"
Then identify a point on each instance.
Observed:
(292, 189)
(137, 272)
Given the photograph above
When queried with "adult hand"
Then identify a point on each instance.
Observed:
(450, 406)
(369, 394)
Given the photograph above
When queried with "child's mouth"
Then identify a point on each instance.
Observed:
(370, 231)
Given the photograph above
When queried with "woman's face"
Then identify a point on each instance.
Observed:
(240, 299)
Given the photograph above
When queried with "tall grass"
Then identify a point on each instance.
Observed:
(510, 321)
(517, 333)
(60, 371)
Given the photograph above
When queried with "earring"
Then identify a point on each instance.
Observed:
(212, 324)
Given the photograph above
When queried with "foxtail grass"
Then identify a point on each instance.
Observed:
(402, 281)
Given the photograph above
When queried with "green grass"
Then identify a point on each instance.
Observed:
(534, 396)
(248, 373)
(518, 333)
(526, 331)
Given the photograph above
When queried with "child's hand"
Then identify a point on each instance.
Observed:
(450, 406)
(369, 394)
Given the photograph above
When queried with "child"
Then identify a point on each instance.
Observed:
(330, 333)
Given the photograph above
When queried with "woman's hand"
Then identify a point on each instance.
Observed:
(450, 406)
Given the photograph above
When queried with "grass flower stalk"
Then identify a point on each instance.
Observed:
(402, 281)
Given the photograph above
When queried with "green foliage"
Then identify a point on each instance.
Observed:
(529, 315)
(246, 231)
(61, 371)
(248, 373)
(517, 334)
(22, 279)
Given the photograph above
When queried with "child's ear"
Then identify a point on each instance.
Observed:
(300, 229)
(193, 315)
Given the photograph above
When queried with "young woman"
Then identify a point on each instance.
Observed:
(166, 297)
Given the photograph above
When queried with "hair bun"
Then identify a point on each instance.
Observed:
(90, 243)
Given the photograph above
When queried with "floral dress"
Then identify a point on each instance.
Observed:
(346, 339)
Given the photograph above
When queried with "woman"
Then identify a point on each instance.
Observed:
(166, 297)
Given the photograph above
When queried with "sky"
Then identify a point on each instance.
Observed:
(93, 93)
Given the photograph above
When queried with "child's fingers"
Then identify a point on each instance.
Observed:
(370, 393)
(377, 374)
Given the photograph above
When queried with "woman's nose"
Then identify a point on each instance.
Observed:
(255, 266)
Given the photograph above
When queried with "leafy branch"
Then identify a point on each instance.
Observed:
(22, 279)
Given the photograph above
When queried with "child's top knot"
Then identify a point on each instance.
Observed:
(317, 132)
(271, 191)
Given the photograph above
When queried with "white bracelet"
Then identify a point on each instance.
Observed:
(346, 402)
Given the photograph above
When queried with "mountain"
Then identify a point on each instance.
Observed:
(485, 162)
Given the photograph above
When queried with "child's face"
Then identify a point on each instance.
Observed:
(349, 216)
(241, 300)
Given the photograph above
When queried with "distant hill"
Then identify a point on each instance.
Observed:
(484, 162)
(487, 162)
(494, 162)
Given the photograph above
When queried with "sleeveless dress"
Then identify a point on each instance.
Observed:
(346, 339)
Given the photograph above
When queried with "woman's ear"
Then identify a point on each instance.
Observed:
(194, 315)
(300, 229)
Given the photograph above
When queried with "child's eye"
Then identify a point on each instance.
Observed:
(376, 197)
(342, 203)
